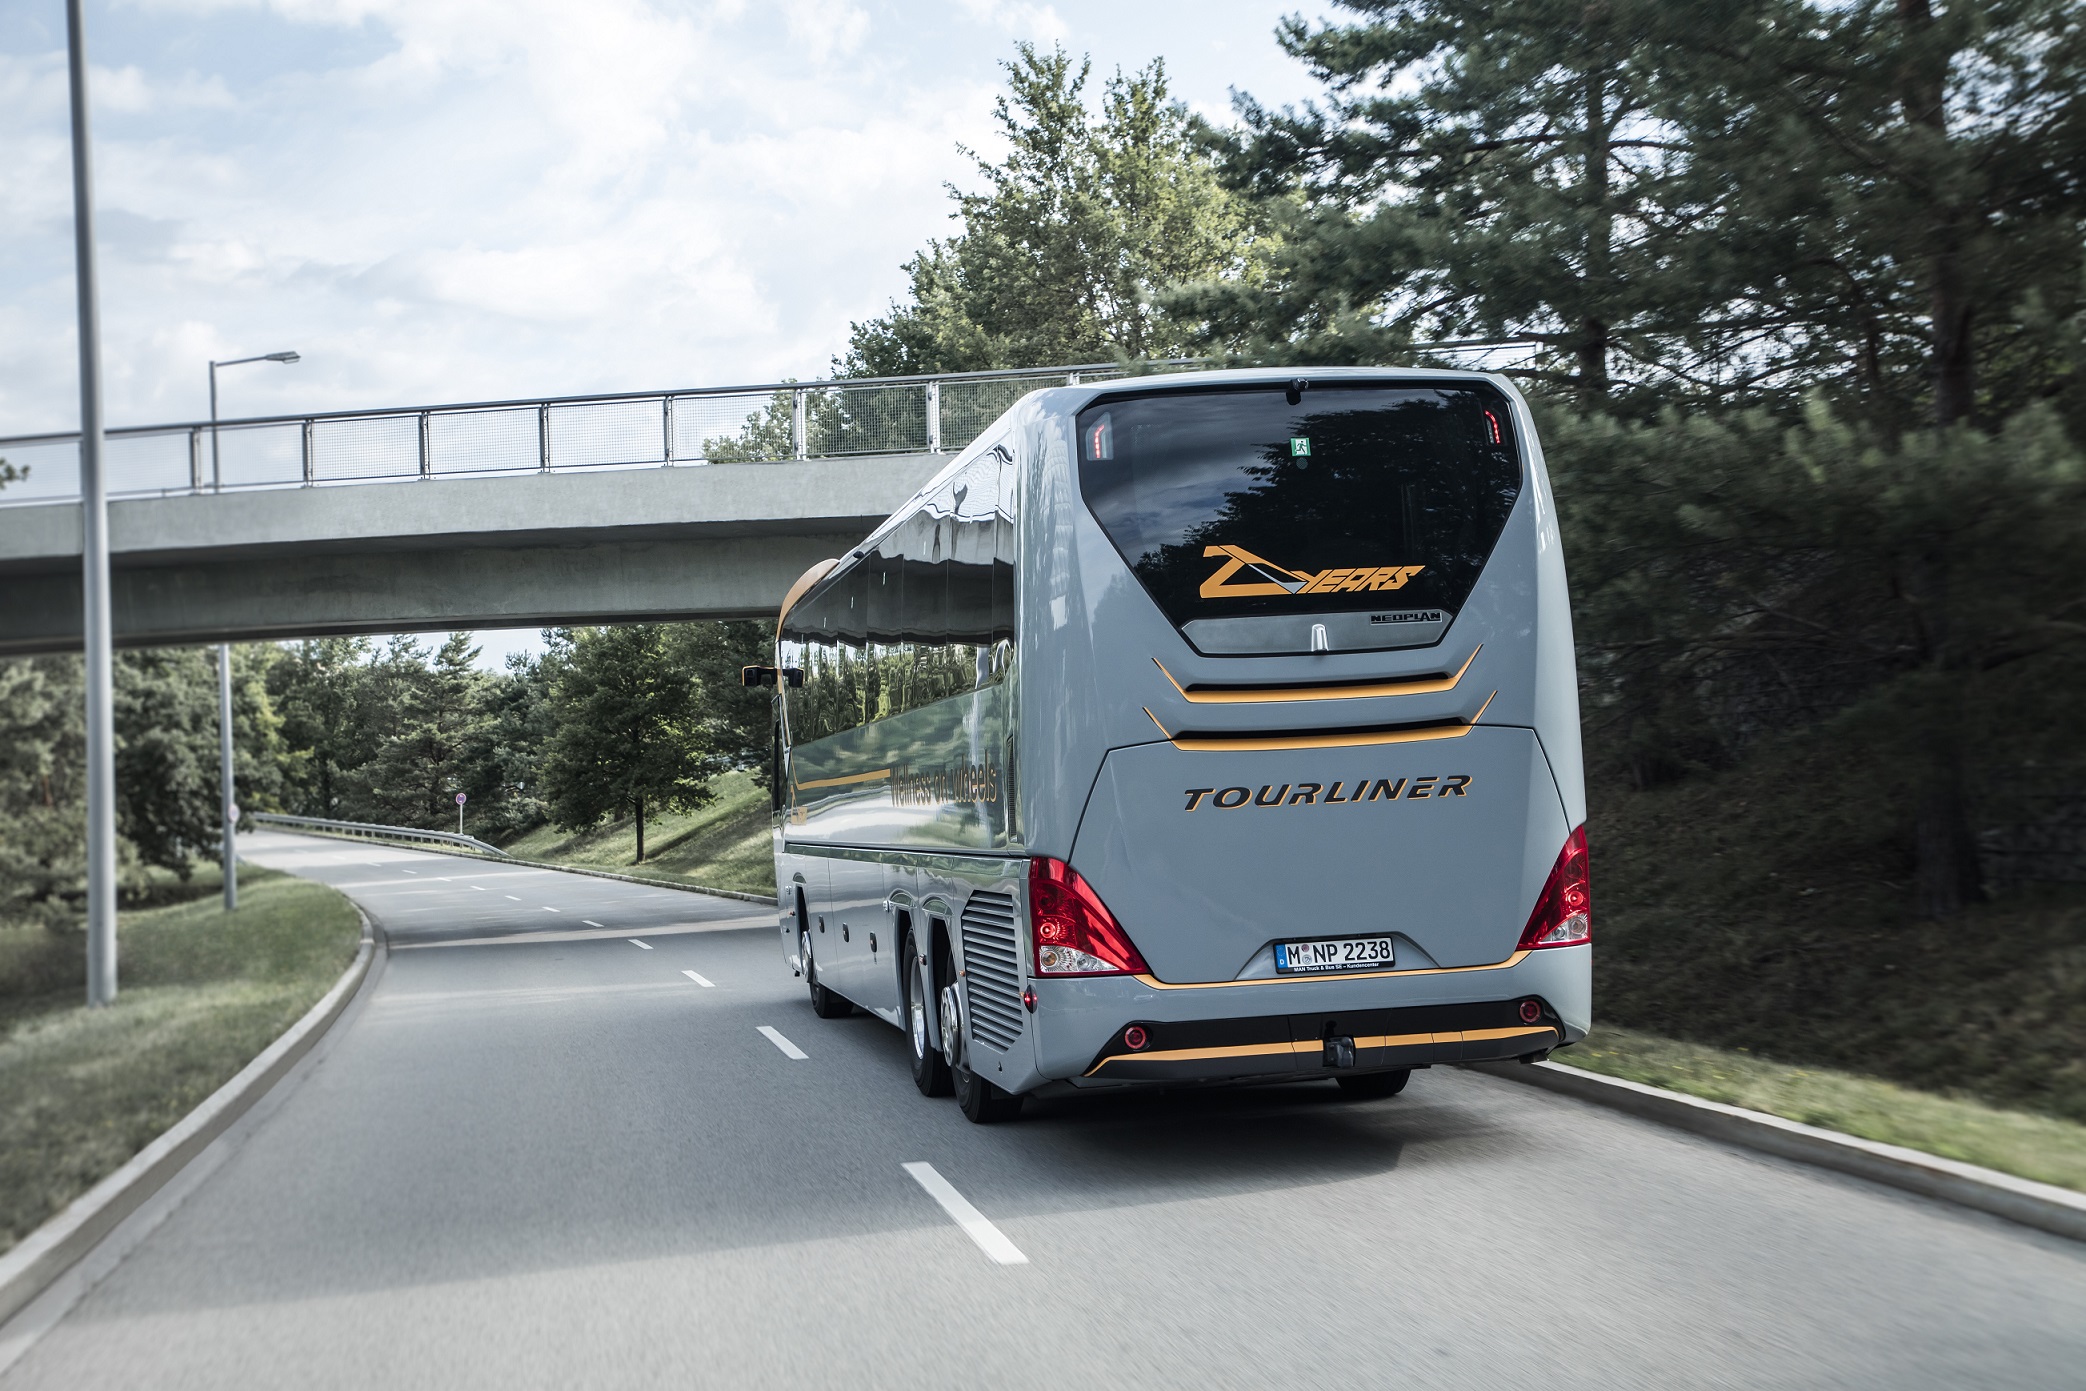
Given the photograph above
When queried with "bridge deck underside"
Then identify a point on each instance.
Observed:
(723, 541)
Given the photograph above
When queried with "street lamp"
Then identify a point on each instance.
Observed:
(228, 808)
(94, 547)
(216, 481)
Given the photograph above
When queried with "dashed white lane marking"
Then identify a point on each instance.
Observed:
(511, 897)
(409, 871)
(548, 909)
(790, 1050)
(698, 979)
(991, 1240)
(635, 943)
(590, 922)
(479, 887)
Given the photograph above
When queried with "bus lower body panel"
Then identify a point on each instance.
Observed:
(1085, 1027)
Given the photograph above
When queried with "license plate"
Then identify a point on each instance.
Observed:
(1333, 954)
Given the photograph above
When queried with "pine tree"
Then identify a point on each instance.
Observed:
(1061, 254)
(1507, 170)
(629, 736)
(438, 716)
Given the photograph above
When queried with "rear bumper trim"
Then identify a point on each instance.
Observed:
(1286, 1045)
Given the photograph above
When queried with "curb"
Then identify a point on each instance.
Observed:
(52, 1249)
(2044, 1206)
(504, 859)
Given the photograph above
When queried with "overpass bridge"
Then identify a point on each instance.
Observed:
(662, 505)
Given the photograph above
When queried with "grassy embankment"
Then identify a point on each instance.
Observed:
(202, 993)
(725, 845)
(1756, 946)
(2014, 1142)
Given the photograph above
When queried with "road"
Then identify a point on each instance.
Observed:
(541, 1153)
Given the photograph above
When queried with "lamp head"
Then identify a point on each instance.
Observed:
(280, 357)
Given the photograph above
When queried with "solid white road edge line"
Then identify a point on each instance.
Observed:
(789, 1050)
(635, 943)
(991, 1240)
(699, 980)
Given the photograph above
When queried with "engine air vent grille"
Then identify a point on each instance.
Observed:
(992, 968)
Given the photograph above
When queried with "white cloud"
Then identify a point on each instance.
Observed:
(1036, 23)
(452, 199)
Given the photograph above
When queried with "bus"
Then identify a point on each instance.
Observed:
(1219, 727)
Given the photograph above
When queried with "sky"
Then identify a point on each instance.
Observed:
(444, 200)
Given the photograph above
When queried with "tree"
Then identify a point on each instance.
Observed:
(438, 719)
(629, 733)
(500, 767)
(1917, 179)
(1060, 256)
(1508, 170)
(1872, 207)
(43, 820)
(737, 720)
(168, 798)
(318, 686)
(166, 754)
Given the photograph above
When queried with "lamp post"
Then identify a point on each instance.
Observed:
(228, 808)
(94, 549)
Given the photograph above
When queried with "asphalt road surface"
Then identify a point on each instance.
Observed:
(568, 1141)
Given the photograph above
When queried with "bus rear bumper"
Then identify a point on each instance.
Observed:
(1315, 1027)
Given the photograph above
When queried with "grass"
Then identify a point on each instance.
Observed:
(726, 845)
(202, 992)
(1768, 908)
(2030, 1146)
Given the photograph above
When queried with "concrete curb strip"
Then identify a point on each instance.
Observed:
(2040, 1205)
(52, 1249)
(545, 864)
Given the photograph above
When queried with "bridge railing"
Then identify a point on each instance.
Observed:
(775, 421)
(365, 830)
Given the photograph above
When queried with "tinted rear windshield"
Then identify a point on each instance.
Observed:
(1235, 502)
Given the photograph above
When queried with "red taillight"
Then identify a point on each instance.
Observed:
(1075, 933)
(1564, 914)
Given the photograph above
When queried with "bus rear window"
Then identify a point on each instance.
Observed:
(1231, 504)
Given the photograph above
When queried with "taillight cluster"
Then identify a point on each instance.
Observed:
(1075, 933)
(1564, 913)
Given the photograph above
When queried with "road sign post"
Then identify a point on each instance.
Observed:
(459, 813)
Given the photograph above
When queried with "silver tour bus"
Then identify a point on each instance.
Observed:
(1219, 727)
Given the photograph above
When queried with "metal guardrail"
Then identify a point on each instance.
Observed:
(769, 422)
(371, 831)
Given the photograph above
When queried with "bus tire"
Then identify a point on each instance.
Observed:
(825, 1003)
(981, 1102)
(930, 1068)
(1370, 1086)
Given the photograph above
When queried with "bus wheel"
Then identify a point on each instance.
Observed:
(930, 1069)
(981, 1102)
(1371, 1085)
(824, 1003)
